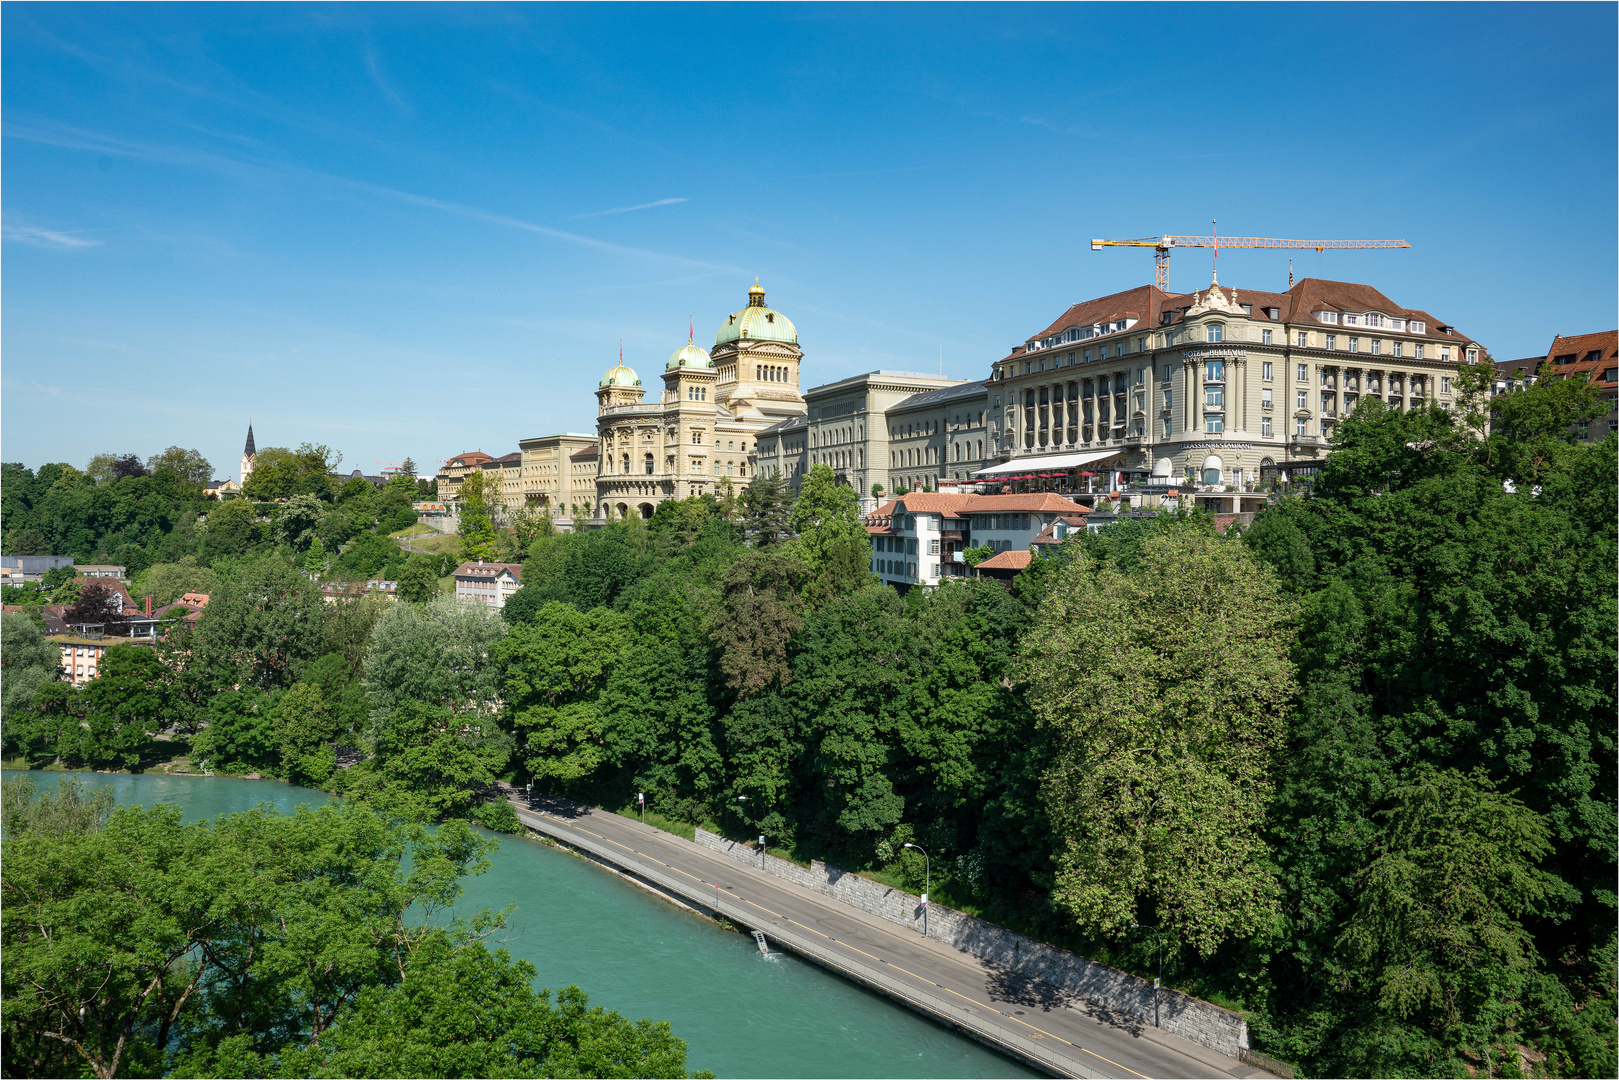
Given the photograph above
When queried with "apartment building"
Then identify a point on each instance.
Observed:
(920, 538)
(488, 583)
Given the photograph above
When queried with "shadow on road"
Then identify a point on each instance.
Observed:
(1009, 986)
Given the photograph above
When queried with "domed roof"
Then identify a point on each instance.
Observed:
(689, 355)
(619, 375)
(757, 322)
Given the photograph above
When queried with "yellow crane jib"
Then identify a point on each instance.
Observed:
(1162, 245)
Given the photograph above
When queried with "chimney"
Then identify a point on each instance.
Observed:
(148, 605)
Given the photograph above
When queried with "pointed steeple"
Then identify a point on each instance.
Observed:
(249, 450)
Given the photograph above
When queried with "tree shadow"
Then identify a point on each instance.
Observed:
(1009, 986)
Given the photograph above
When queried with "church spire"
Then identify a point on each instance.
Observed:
(249, 450)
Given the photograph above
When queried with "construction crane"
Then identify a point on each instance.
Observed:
(1162, 245)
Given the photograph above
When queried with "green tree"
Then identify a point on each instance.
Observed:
(441, 653)
(1167, 692)
(430, 764)
(66, 808)
(478, 499)
(1435, 938)
(239, 735)
(555, 670)
(831, 538)
(167, 582)
(418, 581)
(762, 611)
(766, 511)
(124, 705)
(27, 662)
(189, 465)
(263, 624)
(298, 521)
(304, 728)
(231, 531)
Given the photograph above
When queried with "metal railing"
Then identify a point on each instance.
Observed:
(1034, 1050)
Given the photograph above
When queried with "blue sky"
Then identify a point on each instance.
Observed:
(420, 230)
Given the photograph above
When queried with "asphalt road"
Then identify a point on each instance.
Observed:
(1106, 1045)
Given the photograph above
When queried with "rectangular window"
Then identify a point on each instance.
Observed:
(1264, 337)
(1264, 425)
(1214, 371)
(1354, 344)
(1214, 397)
(1264, 371)
(1304, 374)
(1216, 332)
(933, 547)
(1399, 348)
(1444, 353)
(1416, 350)
(1141, 376)
(1214, 423)
(1304, 399)
(1086, 354)
(1302, 426)
(1166, 427)
(1444, 384)
(1169, 398)
(1332, 341)
(1351, 320)
(1304, 339)
(1264, 397)
(1377, 347)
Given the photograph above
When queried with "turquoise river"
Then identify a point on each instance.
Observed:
(740, 1014)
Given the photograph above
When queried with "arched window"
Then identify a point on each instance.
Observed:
(626, 464)
(649, 464)
(1213, 469)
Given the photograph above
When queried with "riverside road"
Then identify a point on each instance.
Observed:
(1078, 1039)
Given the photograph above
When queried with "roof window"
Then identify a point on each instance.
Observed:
(1417, 326)
(1327, 316)
(1273, 313)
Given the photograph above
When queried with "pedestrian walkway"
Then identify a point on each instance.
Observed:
(1025, 1019)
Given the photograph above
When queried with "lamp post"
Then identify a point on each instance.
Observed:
(927, 883)
(1158, 936)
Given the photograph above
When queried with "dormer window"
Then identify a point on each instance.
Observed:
(1248, 309)
(1273, 313)
(1351, 319)
(1374, 319)
(1417, 326)
(1327, 316)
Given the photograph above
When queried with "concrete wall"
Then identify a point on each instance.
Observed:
(1043, 973)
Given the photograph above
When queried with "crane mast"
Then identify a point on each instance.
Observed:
(1163, 245)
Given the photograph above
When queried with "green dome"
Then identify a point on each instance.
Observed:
(619, 375)
(691, 355)
(757, 323)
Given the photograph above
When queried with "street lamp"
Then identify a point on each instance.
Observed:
(1158, 936)
(927, 886)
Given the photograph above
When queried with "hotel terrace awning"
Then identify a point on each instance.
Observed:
(1056, 461)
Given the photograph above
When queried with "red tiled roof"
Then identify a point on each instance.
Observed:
(1591, 352)
(1041, 502)
(476, 457)
(1007, 560)
(1298, 305)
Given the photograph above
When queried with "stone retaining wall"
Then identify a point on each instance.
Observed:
(1027, 970)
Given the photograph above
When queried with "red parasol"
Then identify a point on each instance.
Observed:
(1087, 474)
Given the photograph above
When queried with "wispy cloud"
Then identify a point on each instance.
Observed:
(53, 134)
(373, 67)
(628, 209)
(49, 238)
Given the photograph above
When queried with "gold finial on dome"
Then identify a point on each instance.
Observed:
(756, 295)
